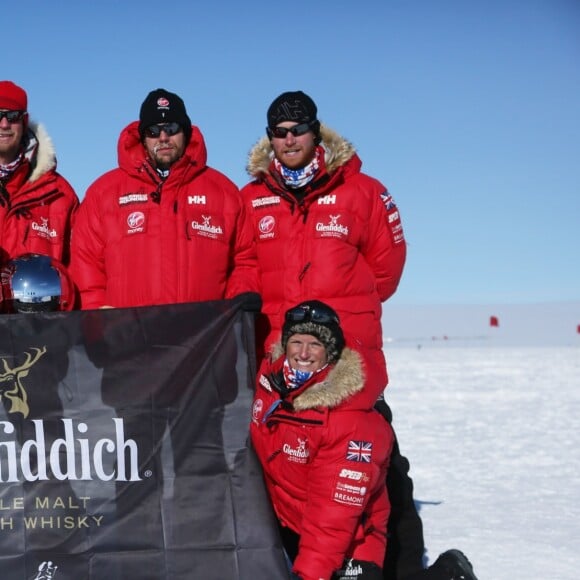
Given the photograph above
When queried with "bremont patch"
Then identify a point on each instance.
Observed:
(133, 198)
(262, 201)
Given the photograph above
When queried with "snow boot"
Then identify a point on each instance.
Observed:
(456, 565)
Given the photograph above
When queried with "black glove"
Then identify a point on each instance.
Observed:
(384, 409)
(358, 570)
(248, 301)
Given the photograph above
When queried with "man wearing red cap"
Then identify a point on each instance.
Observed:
(36, 202)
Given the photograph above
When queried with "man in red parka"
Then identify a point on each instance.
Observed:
(327, 231)
(37, 204)
(163, 227)
(323, 228)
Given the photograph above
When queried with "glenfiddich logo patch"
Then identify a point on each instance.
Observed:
(206, 227)
(297, 452)
(43, 230)
(333, 228)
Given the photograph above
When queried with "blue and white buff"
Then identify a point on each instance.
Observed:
(296, 178)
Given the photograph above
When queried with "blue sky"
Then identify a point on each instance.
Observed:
(468, 110)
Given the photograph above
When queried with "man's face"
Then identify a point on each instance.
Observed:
(294, 151)
(166, 147)
(305, 352)
(11, 133)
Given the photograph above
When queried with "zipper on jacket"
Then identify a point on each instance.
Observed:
(303, 210)
(4, 196)
(273, 455)
(278, 418)
(156, 195)
(303, 271)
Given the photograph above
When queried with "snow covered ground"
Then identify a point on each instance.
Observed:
(492, 431)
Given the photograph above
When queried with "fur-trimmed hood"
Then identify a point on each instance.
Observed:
(337, 151)
(344, 383)
(40, 151)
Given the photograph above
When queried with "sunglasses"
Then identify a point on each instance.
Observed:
(169, 129)
(281, 132)
(308, 314)
(12, 116)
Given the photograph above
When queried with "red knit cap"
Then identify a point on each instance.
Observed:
(12, 97)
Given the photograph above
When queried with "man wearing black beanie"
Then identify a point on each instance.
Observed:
(161, 106)
(163, 227)
(327, 231)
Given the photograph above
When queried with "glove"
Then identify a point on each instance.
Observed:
(248, 301)
(384, 409)
(358, 570)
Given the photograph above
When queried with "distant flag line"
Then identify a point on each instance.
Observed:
(493, 322)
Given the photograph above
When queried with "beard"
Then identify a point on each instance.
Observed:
(165, 155)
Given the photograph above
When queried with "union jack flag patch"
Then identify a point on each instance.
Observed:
(387, 200)
(359, 451)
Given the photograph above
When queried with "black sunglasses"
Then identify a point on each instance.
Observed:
(170, 129)
(308, 314)
(281, 132)
(12, 116)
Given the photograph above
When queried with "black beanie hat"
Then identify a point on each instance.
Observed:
(292, 106)
(319, 320)
(161, 106)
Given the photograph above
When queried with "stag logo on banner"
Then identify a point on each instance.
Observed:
(11, 387)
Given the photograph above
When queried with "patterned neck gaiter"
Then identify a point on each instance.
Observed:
(7, 170)
(295, 378)
(296, 178)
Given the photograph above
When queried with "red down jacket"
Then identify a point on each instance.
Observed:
(140, 241)
(342, 244)
(37, 204)
(324, 452)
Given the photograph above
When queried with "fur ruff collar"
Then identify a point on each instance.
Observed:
(344, 380)
(337, 151)
(43, 159)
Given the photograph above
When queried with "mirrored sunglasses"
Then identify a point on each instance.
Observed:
(281, 132)
(169, 129)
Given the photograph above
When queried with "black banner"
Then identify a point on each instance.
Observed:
(123, 447)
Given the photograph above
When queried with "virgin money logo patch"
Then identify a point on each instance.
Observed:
(136, 222)
(266, 227)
